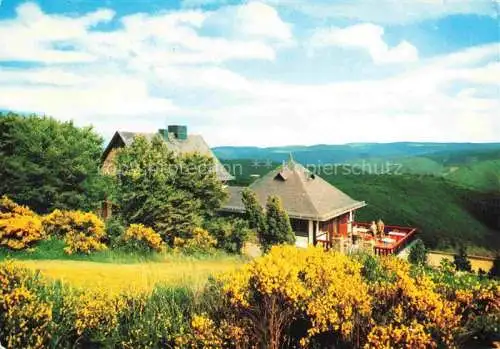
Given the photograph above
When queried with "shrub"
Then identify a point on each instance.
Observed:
(83, 232)
(293, 298)
(25, 319)
(200, 242)
(9, 208)
(157, 320)
(495, 268)
(278, 227)
(20, 227)
(114, 230)
(461, 261)
(254, 213)
(418, 253)
(57, 223)
(20, 232)
(231, 234)
(412, 302)
(270, 293)
(140, 238)
(97, 315)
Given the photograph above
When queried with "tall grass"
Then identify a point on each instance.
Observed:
(52, 249)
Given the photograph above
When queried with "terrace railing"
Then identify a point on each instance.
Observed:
(402, 236)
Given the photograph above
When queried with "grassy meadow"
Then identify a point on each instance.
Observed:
(136, 277)
(117, 270)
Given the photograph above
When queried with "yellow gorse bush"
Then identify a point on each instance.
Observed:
(201, 241)
(20, 227)
(205, 333)
(9, 208)
(97, 312)
(411, 336)
(327, 288)
(143, 237)
(290, 297)
(407, 301)
(83, 232)
(25, 320)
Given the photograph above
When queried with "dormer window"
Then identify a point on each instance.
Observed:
(281, 176)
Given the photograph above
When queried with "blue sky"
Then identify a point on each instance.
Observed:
(269, 72)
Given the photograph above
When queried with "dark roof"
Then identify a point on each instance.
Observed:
(304, 195)
(193, 144)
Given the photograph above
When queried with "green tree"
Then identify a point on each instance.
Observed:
(153, 187)
(230, 233)
(196, 175)
(418, 253)
(48, 164)
(278, 228)
(461, 260)
(254, 212)
(495, 268)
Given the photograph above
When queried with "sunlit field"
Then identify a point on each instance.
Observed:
(133, 277)
(434, 259)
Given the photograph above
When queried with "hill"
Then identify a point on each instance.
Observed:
(445, 214)
(323, 153)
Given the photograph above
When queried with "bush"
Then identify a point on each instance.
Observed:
(25, 319)
(200, 242)
(20, 227)
(9, 208)
(418, 253)
(114, 230)
(83, 232)
(231, 234)
(288, 298)
(461, 260)
(288, 287)
(278, 227)
(495, 268)
(309, 298)
(140, 238)
(35, 313)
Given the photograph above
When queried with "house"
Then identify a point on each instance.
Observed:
(319, 212)
(177, 139)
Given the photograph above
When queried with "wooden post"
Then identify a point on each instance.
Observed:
(311, 234)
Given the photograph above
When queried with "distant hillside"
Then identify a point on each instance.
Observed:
(446, 215)
(467, 164)
(482, 175)
(352, 152)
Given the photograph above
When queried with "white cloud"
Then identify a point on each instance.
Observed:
(415, 105)
(389, 11)
(32, 36)
(367, 37)
(164, 66)
(163, 38)
(231, 109)
(251, 20)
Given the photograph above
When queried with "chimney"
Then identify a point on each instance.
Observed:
(178, 131)
(164, 133)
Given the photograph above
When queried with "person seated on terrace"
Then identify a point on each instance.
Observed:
(373, 229)
(381, 228)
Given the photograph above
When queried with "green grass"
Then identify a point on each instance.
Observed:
(52, 249)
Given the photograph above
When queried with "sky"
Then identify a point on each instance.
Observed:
(259, 73)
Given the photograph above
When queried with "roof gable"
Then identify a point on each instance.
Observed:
(193, 144)
(304, 194)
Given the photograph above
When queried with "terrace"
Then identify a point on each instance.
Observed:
(393, 241)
